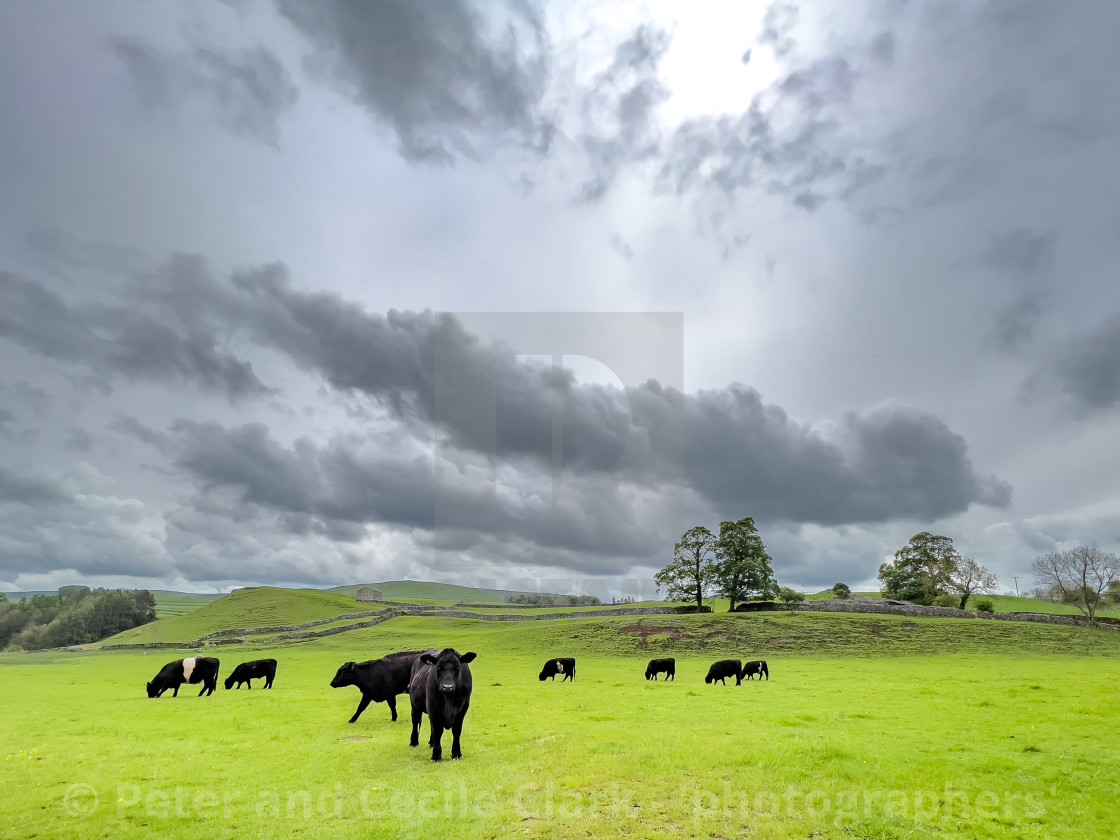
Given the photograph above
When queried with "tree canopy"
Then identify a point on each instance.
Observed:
(742, 570)
(689, 576)
(922, 569)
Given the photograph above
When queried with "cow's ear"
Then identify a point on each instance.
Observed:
(427, 659)
(468, 657)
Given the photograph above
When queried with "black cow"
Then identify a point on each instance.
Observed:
(441, 687)
(552, 667)
(195, 669)
(248, 671)
(379, 680)
(722, 670)
(658, 666)
(756, 667)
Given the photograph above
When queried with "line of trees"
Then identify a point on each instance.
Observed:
(541, 599)
(76, 615)
(734, 565)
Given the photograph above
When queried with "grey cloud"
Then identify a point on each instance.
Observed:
(132, 427)
(1024, 259)
(1087, 368)
(78, 440)
(437, 76)
(620, 110)
(26, 489)
(249, 90)
(150, 331)
(897, 462)
(788, 142)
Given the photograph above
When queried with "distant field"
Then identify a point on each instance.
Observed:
(245, 608)
(174, 604)
(1008, 734)
(1001, 604)
(445, 593)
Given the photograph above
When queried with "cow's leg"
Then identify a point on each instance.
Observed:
(176, 694)
(365, 701)
(456, 731)
(392, 701)
(437, 736)
(417, 716)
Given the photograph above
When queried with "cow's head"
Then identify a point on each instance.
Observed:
(152, 690)
(229, 682)
(447, 666)
(344, 676)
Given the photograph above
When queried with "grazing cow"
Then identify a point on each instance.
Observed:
(552, 667)
(756, 667)
(246, 672)
(666, 666)
(441, 686)
(722, 670)
(195, 669)
(379, 680)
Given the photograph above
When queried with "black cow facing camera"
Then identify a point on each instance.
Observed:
(565, 667)
(441, 687)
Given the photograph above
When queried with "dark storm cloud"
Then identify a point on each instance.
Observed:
(889, 463)
(1087, 368)
(335, 490)
(249, 90)
(743, 453)
(167, 331)
(438, 76)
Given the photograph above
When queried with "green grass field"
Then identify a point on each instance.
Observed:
(870, 727)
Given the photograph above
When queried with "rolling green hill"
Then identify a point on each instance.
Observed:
(245, 608)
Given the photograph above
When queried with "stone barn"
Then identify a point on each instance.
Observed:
(368, 593)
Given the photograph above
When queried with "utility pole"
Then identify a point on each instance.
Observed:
(1016, 585)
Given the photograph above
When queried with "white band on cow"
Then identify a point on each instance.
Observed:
(188, 668)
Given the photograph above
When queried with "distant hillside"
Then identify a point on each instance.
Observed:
(446, 593)
(245, 608)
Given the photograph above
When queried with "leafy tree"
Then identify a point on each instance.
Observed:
(3, 598)
(1113, 596)
(945, 600)
(790, 596)
(689, 576)
(842, 591)
(922, 569)
(1082, 575)
(970, 578)
(742, 569)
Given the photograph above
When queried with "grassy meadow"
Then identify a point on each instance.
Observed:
(870, 727)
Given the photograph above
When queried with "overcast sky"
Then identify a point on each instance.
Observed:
(849, 268)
